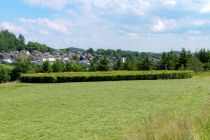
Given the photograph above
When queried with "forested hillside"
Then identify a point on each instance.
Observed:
(9, 42)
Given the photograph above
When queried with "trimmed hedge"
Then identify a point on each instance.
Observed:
(103, 76)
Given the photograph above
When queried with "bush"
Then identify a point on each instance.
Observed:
(104, 76)
(58, 66)
(46, 67)
(5, 73)
(23, 65)
(71, 67)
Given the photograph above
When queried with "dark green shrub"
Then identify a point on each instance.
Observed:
(46, 67)
(58, 66)
(103, 64)
(5, 74)
(21, 66)
(104, 76)
(71, 67)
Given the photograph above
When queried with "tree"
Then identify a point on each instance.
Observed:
(103, 64)
(184, 59)
(90, 50)
(73, 67)
(146, 64)
(46, 67)
(22, 65)
(119, 64)
(8, 41)
(31, 46)
(195, 64)
(92, 66)
(203, 56)
(21, 42)
(58, 66)
(168, 61)
(130, 64)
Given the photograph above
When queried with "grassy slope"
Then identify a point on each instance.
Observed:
(106, 110)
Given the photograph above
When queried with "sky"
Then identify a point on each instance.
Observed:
(138, 25)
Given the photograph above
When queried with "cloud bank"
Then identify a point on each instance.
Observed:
(142, 25)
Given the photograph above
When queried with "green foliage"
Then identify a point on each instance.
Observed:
(9, 42)
(46, 67)
(169, 61)
(203, 56)
(195, 64)
(92, 66)
(146, 64)
(105, 76)
(103, 64)
(23, 65)
(71, 67)
(207, 66)
(130, 64)
(21, 43)
(90, 50)
(31, 46)
(58, 66)
(5, 73)
(119, 64)
(184, 59)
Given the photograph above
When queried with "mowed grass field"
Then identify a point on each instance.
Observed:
(127, 110)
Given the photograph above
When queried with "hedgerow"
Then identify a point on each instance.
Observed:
(103, 76)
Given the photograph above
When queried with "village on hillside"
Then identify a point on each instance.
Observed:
(39, 57)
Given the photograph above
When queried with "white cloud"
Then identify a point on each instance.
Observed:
(54, 4)
(200, 22)
(139, 7)
(133, 35)
(169, 2)
(43, 32)
(135, 24)
(162, 25)
(11, 27)
(56, 25)
(205, 8)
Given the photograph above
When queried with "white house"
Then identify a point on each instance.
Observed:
(5, 59)
(123, 59)
(51, 59)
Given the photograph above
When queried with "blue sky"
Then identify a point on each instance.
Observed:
(141, 25)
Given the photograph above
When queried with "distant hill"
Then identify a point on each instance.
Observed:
(75, 49)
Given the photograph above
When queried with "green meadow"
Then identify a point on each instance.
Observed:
(117, 110)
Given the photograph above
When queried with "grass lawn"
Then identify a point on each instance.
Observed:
(130, 110)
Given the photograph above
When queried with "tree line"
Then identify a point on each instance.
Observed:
(185, 60)
(9, 42)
